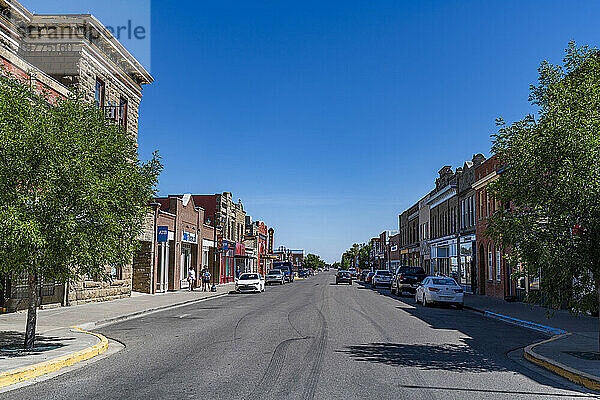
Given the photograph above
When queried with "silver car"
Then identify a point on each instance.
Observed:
(275, 276)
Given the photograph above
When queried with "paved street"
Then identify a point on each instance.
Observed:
(310, 340)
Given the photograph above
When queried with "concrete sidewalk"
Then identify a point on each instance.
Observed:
(55, 337)
(572, 353)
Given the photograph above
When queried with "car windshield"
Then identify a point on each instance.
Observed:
(444, 281)
(246, 277)
(384, 273)
(274, 272)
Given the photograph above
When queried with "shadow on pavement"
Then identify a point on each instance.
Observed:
(485, 344)
(450, 357)
(11, 344)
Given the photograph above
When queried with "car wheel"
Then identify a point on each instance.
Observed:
(416, 298)
(350, 283)
(460, 306)
(425, 303)
(393, 290)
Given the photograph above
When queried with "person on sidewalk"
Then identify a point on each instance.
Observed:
(191, 278)
(205, 280)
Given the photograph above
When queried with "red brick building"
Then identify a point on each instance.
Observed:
(493, 268)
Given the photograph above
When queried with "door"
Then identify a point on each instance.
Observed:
(186, 263)
(162, 267)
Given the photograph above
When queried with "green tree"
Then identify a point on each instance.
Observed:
(364, 257)
(73, 193)
(552, 182)
(313, 262)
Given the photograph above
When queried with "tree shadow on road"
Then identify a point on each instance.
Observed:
(449, 357)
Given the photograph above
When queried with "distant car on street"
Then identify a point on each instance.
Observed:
(369, 277)
(439, 290)
(406, 279)
(382, 277)
(353, 272)
(303, 273)
(275, 276)
(343, 277)
(250, 282)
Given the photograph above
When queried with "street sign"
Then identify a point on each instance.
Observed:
(162, 234)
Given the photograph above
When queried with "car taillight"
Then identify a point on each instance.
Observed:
(434, 289)
(401, 277)
(458, 290)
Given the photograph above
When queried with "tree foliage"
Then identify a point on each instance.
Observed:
(73, 193)
(313, 262)
(551, 179)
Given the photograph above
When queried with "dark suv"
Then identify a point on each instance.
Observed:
(407, 279)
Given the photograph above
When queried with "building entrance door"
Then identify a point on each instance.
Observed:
(162, 284)
(186, 263)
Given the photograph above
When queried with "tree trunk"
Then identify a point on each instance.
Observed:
(31, 311)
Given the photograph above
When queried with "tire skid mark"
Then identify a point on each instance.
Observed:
(273, 370)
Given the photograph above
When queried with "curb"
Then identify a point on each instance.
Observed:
(35, 370)
(548, 330)
(579, 377)
(125, 317)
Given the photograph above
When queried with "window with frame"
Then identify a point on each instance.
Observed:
(123, 103)
(99, 93)
(498, 266)
(116, 272)
(490, 262)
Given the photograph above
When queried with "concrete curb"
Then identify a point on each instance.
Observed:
(125, 317)
(589, 381)
(32, 371)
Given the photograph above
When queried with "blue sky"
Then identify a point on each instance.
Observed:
(330, 118)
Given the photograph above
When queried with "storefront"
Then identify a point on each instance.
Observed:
(189, 248)
(228, 261)
(443, 258)
(468, 273)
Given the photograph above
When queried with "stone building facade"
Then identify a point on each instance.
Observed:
(58, 54)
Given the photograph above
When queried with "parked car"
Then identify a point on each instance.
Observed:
(343, 277)
(369, 277)
(286, 268)
(363, 275)
(275, 276)
(250, 282)
(436, 289)
(406, 279)
(382, 277)
(353, 272)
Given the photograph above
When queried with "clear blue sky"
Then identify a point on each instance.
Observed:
(328, 118)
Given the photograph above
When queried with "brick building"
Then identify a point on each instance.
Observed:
(494, 270)
(395, 246)
(176, 237)
(57, 53)
(231, 237)
(410, 250)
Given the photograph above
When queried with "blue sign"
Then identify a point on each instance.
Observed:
(162, 234)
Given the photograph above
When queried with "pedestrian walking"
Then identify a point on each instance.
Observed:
(191, 278)
(205, 279)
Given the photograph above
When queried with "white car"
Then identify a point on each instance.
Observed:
(250, 282)
(382, 277)
(439, 289)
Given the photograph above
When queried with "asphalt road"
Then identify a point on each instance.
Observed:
(311, 340)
